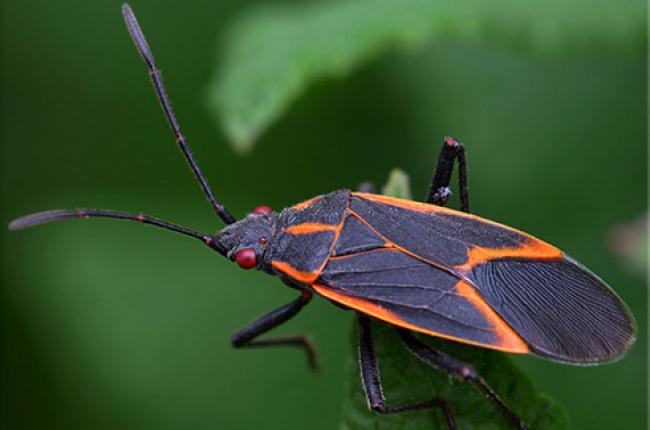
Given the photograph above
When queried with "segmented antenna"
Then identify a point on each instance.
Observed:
(156, 77)
(49, 216)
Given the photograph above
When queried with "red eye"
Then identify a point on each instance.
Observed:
(261, 210)
(246, 258)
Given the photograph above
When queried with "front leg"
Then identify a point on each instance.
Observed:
(245, 338)
(439, 192)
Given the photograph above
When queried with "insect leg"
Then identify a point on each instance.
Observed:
(462, 371)
(245, 337)
(439, 191)
(371, 378)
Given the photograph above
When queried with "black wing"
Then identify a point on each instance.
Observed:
(456, 275)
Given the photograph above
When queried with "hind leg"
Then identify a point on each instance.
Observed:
(439, 191)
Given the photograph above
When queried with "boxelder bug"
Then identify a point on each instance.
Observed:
(418, 266)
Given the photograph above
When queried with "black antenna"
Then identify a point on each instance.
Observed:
(49, 216)
(226, 217)
(156, 77)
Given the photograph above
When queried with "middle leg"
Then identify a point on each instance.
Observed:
(371, 378)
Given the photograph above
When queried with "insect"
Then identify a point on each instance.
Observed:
(418, 266)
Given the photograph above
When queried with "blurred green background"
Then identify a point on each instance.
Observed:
(109, 325)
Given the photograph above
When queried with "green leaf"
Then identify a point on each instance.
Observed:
(397, 185)
(273, 52)
(406, 380)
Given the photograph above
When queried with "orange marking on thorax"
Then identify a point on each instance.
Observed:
(374, 310)
(534, 249)
(310, 227)
(307, 228)
(298, 275)
(508, 339)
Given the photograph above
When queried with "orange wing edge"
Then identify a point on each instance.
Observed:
(509, 340)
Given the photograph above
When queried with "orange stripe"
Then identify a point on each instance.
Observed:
(393, 246)
(310, 227)
(508, 339)
(433, 209)
(407, 204)
(298, 275)
(306, 228)
(305, 204)
(337, 233)
(534, 249)
(374, 310)
(370, 227)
